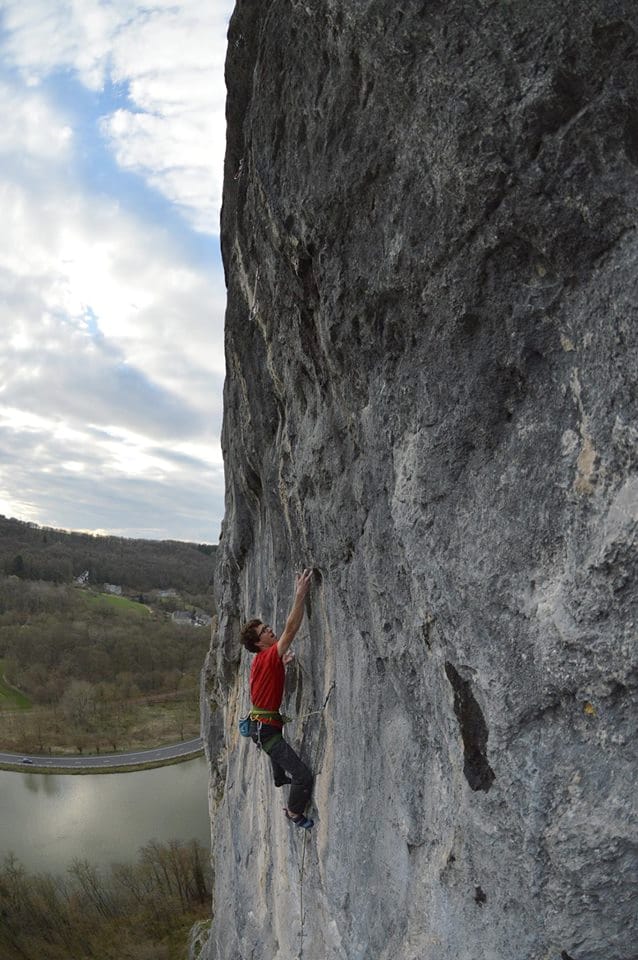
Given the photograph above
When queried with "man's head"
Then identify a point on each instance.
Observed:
(257, 636)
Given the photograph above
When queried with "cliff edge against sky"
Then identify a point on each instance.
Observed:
(429, 234)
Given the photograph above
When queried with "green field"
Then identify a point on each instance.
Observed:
(11, 699)
(122, 604)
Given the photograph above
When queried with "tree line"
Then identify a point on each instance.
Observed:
(138, 911)
(32, 552)
(52, 636)
(86, 661)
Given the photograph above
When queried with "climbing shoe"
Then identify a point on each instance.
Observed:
(300, 820)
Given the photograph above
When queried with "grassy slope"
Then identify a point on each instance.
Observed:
(10, 698)
(121, 604)
(13, 699)
(149, 724)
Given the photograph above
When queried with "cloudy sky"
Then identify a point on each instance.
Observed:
(111, 285)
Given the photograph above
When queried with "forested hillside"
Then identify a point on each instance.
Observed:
(81, 669)
(43, 553)
(94, 669)
(52, 635)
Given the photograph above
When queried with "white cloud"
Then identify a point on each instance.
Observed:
(88, 261)
(112, 365)
(111, 372)
(42, 36)
(169, 55)
(163, 498)
(108, 315)
(31, 127)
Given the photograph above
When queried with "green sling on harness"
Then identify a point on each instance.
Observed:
(266, 716)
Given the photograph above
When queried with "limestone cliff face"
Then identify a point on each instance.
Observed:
(429, 233)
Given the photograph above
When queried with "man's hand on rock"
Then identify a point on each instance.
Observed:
(302, 584)
(287, 658)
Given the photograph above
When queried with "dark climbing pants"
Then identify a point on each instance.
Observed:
(284, 761)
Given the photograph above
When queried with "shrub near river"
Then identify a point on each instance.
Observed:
(139, 911)
(101, 673)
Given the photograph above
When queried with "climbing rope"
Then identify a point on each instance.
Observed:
(313, 713)
(302, 913)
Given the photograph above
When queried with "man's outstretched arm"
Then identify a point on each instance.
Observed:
(296, 614)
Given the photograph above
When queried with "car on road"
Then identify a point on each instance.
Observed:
(27, 760)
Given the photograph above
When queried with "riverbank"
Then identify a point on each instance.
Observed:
(141, 725)
(112, 763)
(144, 910)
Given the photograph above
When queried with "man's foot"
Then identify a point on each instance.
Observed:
(282, 783)
(299, 820)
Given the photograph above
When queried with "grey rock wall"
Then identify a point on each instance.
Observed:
(429, 233)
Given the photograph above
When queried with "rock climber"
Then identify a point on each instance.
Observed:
(267, 678)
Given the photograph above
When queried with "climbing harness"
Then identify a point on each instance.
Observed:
(251, 724)
(250, 727)
(267, 716)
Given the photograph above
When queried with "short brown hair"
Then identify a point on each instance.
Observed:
(249, 636)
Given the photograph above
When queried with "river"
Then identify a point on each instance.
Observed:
(48, 819)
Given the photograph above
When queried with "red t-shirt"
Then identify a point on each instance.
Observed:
(267, 679)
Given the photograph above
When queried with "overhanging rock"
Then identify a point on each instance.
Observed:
(429, 235)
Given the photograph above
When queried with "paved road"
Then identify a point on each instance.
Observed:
(107, 759)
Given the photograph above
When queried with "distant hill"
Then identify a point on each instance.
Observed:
(59, 556)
